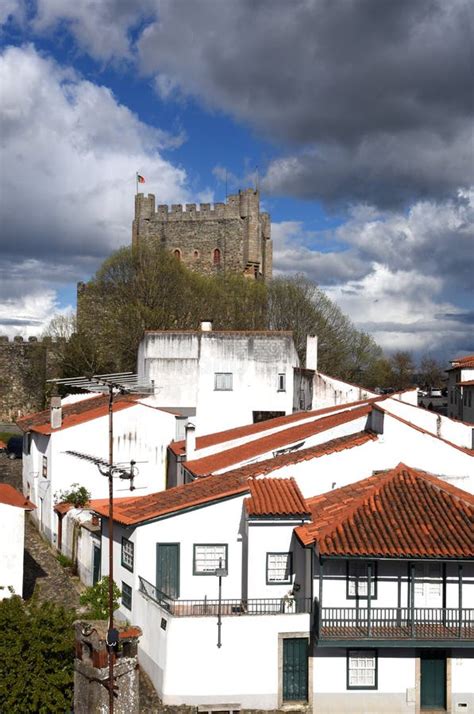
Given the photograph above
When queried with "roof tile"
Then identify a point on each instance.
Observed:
(276, 497)
(9, 496)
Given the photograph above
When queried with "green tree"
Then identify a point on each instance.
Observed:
(36, 657)
(96, 599)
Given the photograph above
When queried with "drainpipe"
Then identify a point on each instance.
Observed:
(190, 432)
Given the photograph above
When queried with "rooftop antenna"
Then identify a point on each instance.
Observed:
(110, 384)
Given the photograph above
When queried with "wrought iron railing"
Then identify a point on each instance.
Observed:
(234, 606)
(395, 623)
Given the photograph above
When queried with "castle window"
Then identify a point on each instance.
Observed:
(196, 254)
(177, 254)
(216, 256)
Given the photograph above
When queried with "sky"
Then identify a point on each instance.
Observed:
(357, 113)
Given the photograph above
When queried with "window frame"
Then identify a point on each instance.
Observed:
(224, 389)
(124, 564)
(369, 651)
(290, 568)
(210, 545)
(124, 602)
(374, 579)
(44, 466)
(281, 380)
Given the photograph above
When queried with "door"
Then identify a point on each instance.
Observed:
(428, 585)
(95, 564)
(167, 569)
(433, 681)
(295, 669)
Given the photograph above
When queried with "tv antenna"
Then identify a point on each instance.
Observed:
(119, 383)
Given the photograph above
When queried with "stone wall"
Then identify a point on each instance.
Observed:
(24, 368)
(232, 236)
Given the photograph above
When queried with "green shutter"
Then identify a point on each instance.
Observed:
(295, 669)
(167, 569)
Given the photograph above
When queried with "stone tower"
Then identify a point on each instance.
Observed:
(229, 237)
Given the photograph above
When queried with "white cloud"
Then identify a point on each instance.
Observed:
(29, 314)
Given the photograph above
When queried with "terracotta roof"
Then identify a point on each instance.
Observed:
(76, 413)
(469, 383)
(239, 432)
(266, 466)
(400, 513)
(276, 497)
(462, 362)
(63, 508)
(133, 510)
(271, 442)
(11, 497)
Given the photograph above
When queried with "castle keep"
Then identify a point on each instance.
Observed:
(232, 236)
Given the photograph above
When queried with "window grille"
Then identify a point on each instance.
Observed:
(282, 382)
(127, 554)
(357, 580)
(126, 596)
(361, 669)
(279, 568)
(209, 557)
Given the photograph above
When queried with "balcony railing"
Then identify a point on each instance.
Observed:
(235, 606)
(399, 623)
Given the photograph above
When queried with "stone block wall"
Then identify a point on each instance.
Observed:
(232, 236)
(25, 365)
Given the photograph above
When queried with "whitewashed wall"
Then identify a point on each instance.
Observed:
(12, 540)
(268, 537)
(455, 431)
(328, 391)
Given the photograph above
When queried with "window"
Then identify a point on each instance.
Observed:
(361, 669)
(127, 554)
(469, 398)
(279, 568)
(45, 466)
(223, 381)
(126, 596)
(177, 254)
(357, 577)
(216, 256)
(27, 442)
(196, 254)
(282, 382)
(208, 557)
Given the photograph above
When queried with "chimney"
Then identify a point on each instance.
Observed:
(190, 431)
(206, 326)
(312, 352)
(56, 415)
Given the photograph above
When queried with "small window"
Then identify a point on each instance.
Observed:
(126, 596)
(196, 254)
(208, 557)
(223, 381)
(177, 254)
(45, 467)
(361, 669)
(357, 578)
(282, 382)
(279, 568)
(127, 554)
(216, 256)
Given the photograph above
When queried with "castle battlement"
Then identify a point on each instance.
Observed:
(233, 236)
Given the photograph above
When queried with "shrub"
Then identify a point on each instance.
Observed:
(96, 598)
(77, 495)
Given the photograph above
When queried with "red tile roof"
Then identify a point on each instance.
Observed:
(401, 513)
(276, 497)
(133, 510)
(271, 442)
(76, 413)
(469, 383)
(11, 497)
(239, 432)
(266, 466)
(461, 362)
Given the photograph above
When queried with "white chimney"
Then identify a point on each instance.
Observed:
(190, 432)
(56, 416)
(206, 326)
(312, 352)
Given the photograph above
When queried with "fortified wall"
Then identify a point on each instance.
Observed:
(25, 365)
(233, 236)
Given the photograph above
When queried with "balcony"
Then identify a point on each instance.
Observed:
(395, 626)
(232, 607)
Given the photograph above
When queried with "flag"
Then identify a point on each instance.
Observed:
(140, 179)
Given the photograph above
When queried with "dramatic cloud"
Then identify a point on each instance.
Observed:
(69, 152)
(376, 97)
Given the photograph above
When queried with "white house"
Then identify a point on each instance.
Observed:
(461, 389)
(228, 378)
(141, 432)
(12, 539)
(360, 599)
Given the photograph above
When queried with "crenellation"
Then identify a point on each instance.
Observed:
(235, 229)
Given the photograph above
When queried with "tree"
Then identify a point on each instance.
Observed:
(36, 657)
(431, 372)
(402, 369)
(96, 598)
